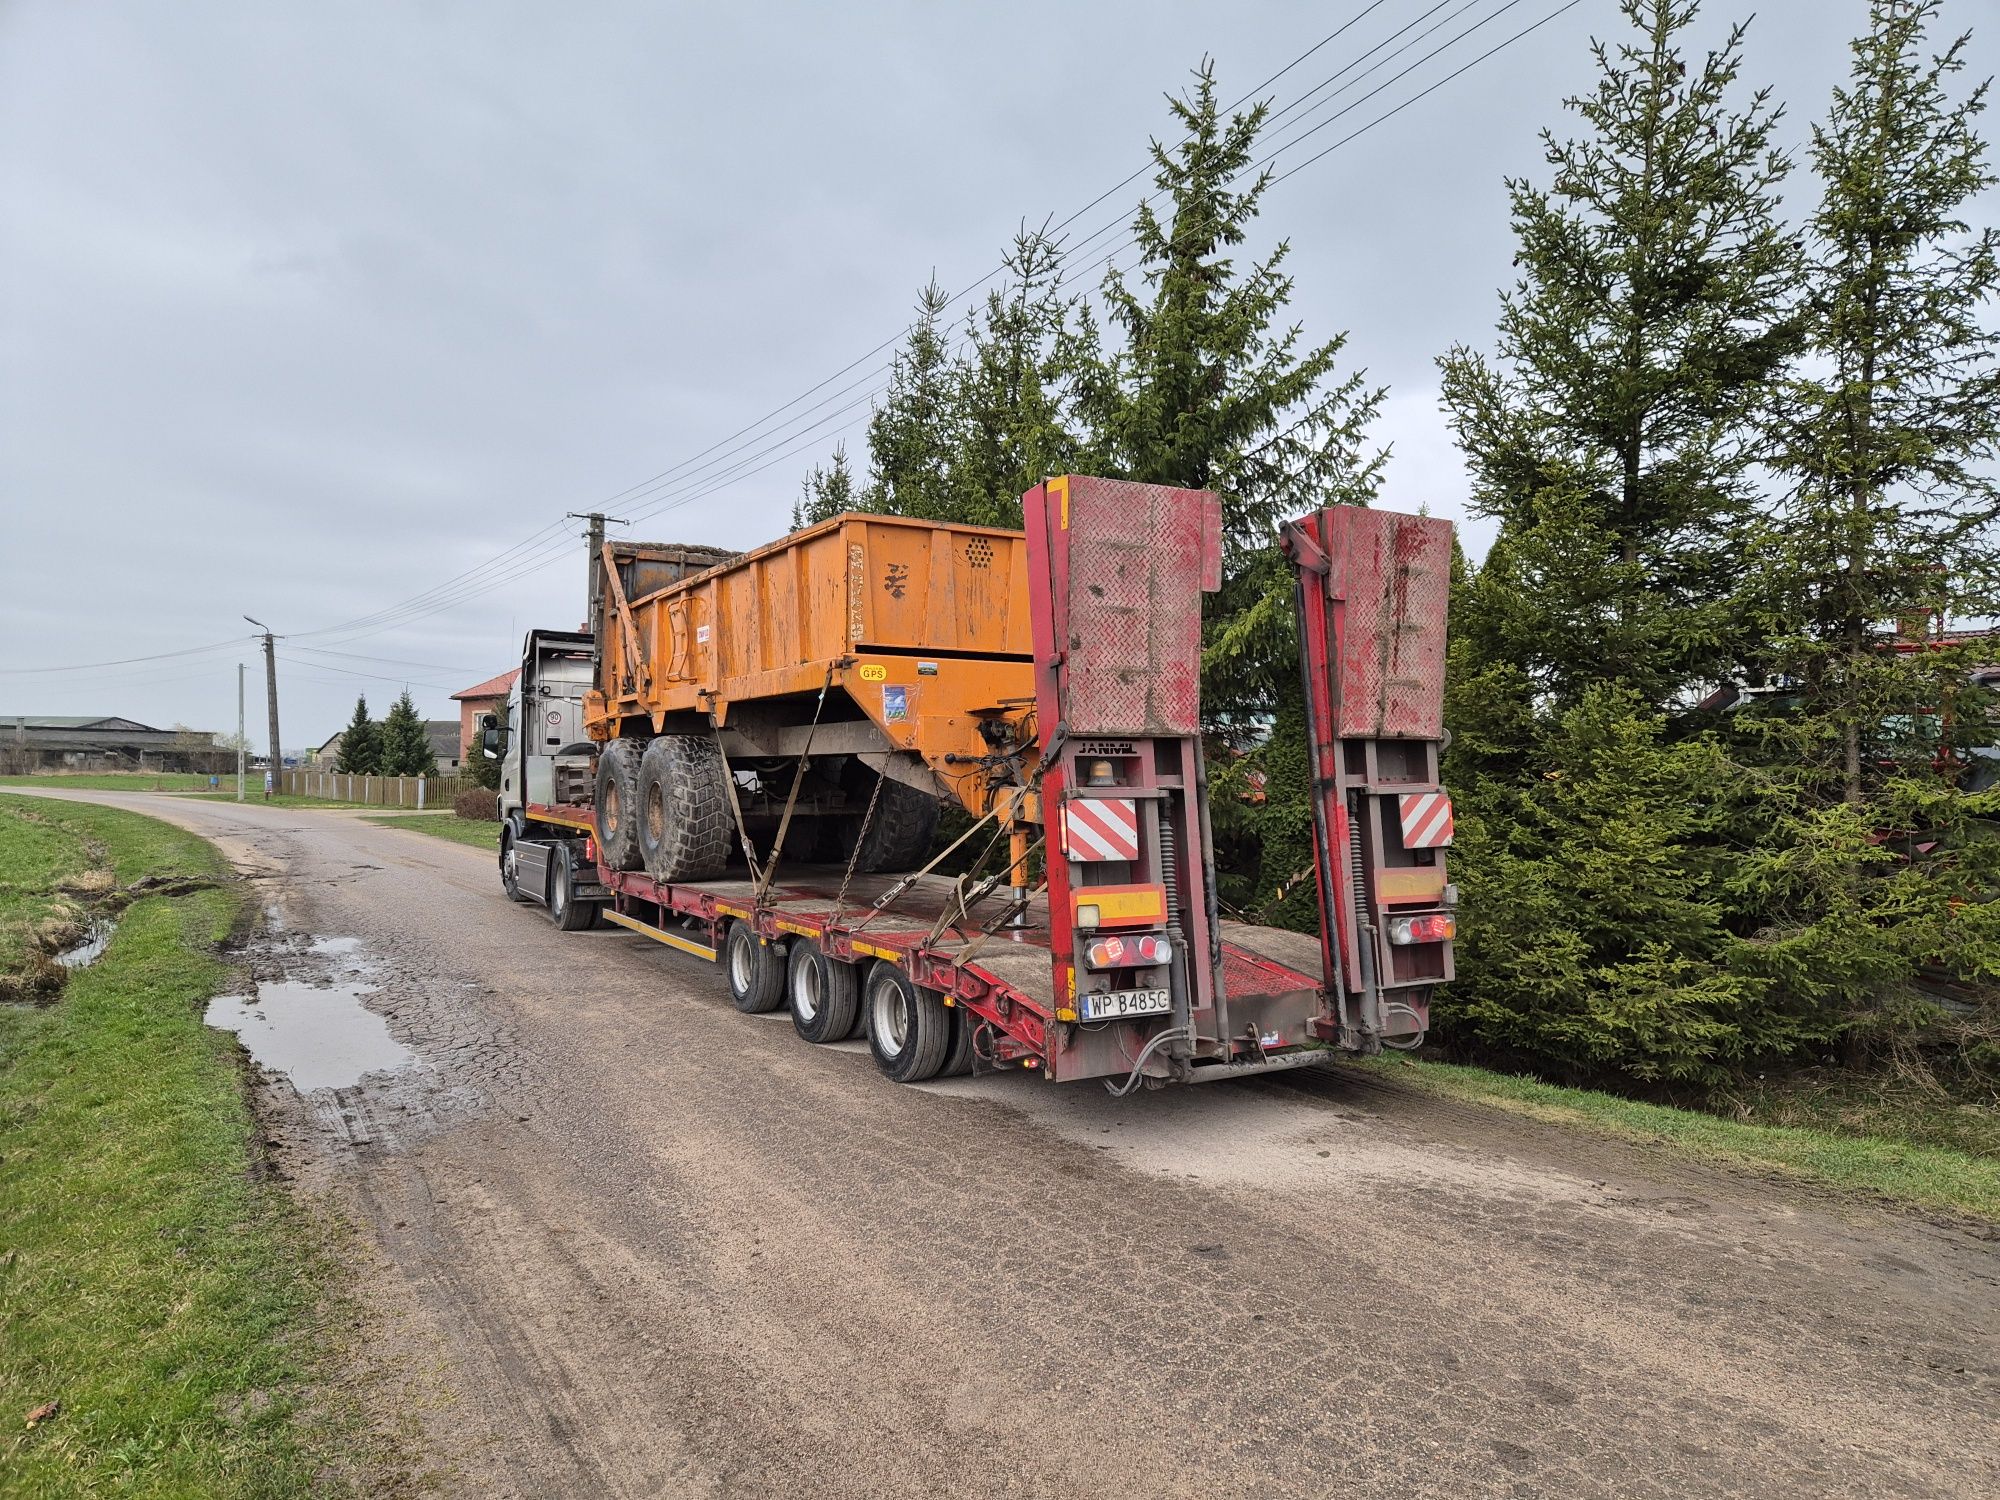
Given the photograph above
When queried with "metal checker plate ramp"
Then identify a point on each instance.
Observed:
(1395, 572)
(1135, 575)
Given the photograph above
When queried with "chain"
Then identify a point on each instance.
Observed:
(854, 854)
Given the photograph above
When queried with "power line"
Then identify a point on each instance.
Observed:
(125, 661)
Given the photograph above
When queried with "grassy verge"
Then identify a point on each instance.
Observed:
(124, 781)
(150, 1282)
(445, 825)
(1933, 1176)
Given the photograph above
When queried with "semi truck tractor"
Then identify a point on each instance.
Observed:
(744, 758)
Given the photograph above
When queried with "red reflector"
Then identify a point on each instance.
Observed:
(1145, 951)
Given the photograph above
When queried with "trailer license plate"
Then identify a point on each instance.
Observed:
(1111, 1004)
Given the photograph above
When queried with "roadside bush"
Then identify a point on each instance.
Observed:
(480, 804)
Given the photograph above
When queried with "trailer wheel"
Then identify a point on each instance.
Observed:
(684, 824)
(510, 861)
(958, 1062)
(909, 1029)
(825, 994)
(618, 804)
(900, 835)
(756, 972)
(568, 913)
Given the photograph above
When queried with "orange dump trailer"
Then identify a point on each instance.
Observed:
(843, 679)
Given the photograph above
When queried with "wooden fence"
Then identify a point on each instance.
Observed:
(375, 791)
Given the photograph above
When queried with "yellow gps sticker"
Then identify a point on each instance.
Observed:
(874, 672)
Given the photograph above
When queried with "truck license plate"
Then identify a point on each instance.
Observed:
(1111, 1004)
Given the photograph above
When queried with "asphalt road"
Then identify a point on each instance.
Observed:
(623, 1241)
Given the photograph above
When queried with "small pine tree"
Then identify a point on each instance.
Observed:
(406, 748)
(827, 492)
(361, 743)
(912, 436)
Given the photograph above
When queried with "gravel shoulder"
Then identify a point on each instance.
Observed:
(625, 1241)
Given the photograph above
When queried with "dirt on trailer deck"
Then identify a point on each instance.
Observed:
(625, 1241)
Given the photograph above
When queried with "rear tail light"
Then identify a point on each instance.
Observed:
(1149, 950)
(1436, 928)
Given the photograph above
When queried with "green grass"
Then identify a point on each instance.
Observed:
(1910, 1171)
(445, 825)
(124, 781)
(37, 855)
(150, 1281)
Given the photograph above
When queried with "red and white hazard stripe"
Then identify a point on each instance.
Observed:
(1426, 820)
(1101, 828)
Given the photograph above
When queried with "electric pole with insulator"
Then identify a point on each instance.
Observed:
(277, 763)
(594, 539)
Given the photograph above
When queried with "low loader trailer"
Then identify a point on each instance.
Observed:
(744, 759)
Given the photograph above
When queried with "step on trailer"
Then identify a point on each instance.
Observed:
(744, 758)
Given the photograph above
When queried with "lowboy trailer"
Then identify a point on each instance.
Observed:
(743, 760)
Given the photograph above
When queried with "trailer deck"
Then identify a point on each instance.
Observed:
(1005, 976)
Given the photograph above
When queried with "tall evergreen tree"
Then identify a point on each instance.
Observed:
(406, 749)
(1205, 387)
(1614, 439)
(361, 743)
(1202, 384)
(1870, 862)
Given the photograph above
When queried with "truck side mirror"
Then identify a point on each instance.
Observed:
(489, 736)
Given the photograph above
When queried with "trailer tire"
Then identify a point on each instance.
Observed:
(684, 824)
(909, 1029)
(899, 837)
(568, 913)
(756, 971)
(618, 804)
(958, 1062)
(824, 994)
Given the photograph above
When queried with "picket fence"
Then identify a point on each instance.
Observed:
(375, 791)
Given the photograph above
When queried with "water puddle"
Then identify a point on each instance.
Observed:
(82, 955)
(318, 1036)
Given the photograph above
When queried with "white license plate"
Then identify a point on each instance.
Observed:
(1111, 1004)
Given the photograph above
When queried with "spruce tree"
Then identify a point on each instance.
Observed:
(1615, 438)
(1871, 864)
(828, 491)
(1614, 435)
(406, 749)
(1013, 389)
(361, 743)
(913, 436)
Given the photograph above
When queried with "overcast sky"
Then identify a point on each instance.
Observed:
(311, 309)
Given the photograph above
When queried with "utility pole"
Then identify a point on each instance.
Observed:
(273, 777)
(594, 539)
(239, 732)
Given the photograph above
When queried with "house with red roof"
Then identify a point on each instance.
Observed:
(488, 697)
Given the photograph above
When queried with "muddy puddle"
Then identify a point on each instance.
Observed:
(317, 1033)
(95, 940)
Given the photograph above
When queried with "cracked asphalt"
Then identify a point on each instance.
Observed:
(622, 1241)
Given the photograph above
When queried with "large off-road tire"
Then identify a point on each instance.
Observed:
(909, 1029)
(755, 969)
(899, 836)
(618, 804)
(824, 994)
(684, 822)
(510, 881)
(568, 913)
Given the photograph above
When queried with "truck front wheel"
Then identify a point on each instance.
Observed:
(909, 1028)
(510, 861)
